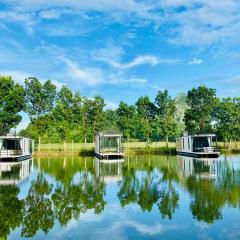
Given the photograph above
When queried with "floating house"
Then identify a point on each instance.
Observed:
(108, 145)
(15, 148)
(197, 146)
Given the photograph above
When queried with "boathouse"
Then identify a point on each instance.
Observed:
(15, 147)
(108, 145)
(197, 146)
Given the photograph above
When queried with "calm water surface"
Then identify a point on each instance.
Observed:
(146, 197)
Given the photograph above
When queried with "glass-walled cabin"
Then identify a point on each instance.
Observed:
(108, 143)
(15, 146)
(197, 145)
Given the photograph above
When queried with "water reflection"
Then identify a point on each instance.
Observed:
(64, 189)
(109, 170)
(153, 185)
(15, 172)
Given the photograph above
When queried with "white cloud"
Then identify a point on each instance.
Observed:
(113, 55)
(187, 22)
(195, 61)
(87, 76)
(95, 76)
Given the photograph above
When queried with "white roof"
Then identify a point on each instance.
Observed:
(12, 137)
(199, 135)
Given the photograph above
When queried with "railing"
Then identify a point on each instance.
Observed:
(205, 149)
(8, 153)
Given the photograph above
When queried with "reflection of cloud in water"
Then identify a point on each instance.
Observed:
(141, 228)
(118, 224)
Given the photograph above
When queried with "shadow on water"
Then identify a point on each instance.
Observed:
(62, 189)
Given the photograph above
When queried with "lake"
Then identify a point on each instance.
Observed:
(144, 197)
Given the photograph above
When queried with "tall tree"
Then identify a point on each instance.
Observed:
(63, 113)
(11, 103)
(39, 97)
(165, 116)
(199, 116)
(126, 118)
(181, 107)
(227, 118)
(146, 112)
(98, 115)
(39, 102)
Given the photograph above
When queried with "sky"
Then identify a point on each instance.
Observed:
(122, 49)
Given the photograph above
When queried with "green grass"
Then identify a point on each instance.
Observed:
(90, 146)
(130, 148)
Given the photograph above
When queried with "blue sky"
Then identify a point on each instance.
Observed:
(123, 49)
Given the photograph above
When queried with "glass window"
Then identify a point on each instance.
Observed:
(11, 144)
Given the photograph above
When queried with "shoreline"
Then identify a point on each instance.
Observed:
(127, 152)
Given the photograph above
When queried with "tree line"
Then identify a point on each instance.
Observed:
(63, 115)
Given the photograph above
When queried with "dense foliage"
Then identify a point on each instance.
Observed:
(64, 115)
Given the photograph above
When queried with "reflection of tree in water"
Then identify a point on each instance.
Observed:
(169, 199)
(148, 188)
(45, 204)
(10, 210)
(129, 187)
(208, 200)
(211, 195)
(38, 213)
(74, 199)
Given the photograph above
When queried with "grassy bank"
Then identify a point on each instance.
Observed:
(131, 148)
(87, 149)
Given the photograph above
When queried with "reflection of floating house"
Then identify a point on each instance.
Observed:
(15, 148)
(108, 144)
(205, 168)
(109, 170)
(15, 172)
(197, 146)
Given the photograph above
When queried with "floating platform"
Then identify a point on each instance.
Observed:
(109, 155)
(200, 154)
(15, 158)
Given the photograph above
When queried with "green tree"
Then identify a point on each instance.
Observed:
(98, 115)
(39, 100)
(181, 107)
(39, 97)
(199, 116)
(126, 119)
(165, 116)
(11, 103)
(146, 112)
(63, 113)
(227, 119)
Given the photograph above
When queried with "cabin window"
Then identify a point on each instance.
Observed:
(11, 144)
(200, 142)
(183, 143)
(109, 144)
(188, 143)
